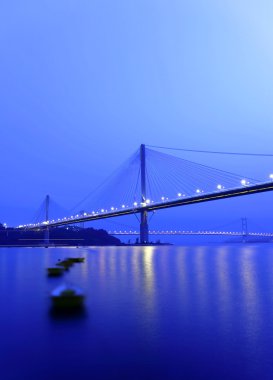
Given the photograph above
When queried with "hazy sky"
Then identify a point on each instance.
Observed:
(84, 83)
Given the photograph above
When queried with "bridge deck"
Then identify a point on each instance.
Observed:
(246, 190)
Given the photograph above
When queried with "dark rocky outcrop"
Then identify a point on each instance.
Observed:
(58, 236)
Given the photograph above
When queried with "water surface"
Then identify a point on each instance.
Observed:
(196, 312)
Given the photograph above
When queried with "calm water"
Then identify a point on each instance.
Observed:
(202, 312)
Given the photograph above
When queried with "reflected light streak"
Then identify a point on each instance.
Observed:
(251, 302)
(201, 277)
(224, 279)
(147, 257)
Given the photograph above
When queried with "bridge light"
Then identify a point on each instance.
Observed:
(148, 201)
(198, 191)
(271, 176)
(123, 206)
(220, 187)
(85, 213)
(102, 210)
(162, 198)
(243, 182)
(135, 203)
(179, 194)
(112, 208)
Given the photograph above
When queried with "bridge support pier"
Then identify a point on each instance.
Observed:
(46, 237)
(46, 231)
(144, 229)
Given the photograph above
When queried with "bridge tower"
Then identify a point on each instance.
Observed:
(144, 230)
(244, 229)
(46, 232)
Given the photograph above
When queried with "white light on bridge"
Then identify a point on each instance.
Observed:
(271, 176)
(148, 201)
(198, 191)
(123, 206)
(179, 194)
(135, 203)
(220, 187)
(162, 198)
(102, 210)
(244, 182)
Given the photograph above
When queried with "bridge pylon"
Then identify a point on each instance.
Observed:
(244, 229)
(144, 229)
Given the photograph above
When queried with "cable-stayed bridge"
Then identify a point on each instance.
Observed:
(149, 181)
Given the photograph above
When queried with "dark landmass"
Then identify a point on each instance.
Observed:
(58, 236)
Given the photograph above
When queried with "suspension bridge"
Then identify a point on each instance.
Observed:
(193, 233)
(243, 233)
(149, 181)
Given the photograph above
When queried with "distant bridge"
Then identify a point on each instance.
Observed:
(210, 233)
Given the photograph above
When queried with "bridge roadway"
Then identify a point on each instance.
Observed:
(210, 233)
(183, 201)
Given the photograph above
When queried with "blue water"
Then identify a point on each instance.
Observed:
(203, 312)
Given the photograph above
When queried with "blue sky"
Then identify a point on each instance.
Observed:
(84, 83)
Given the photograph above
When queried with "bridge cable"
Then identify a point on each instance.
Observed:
(213, 152)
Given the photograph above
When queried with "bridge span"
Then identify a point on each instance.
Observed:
(105, 214)
(204, 184)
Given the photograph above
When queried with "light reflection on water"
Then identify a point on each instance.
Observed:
(224, 291)
(151, 312)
